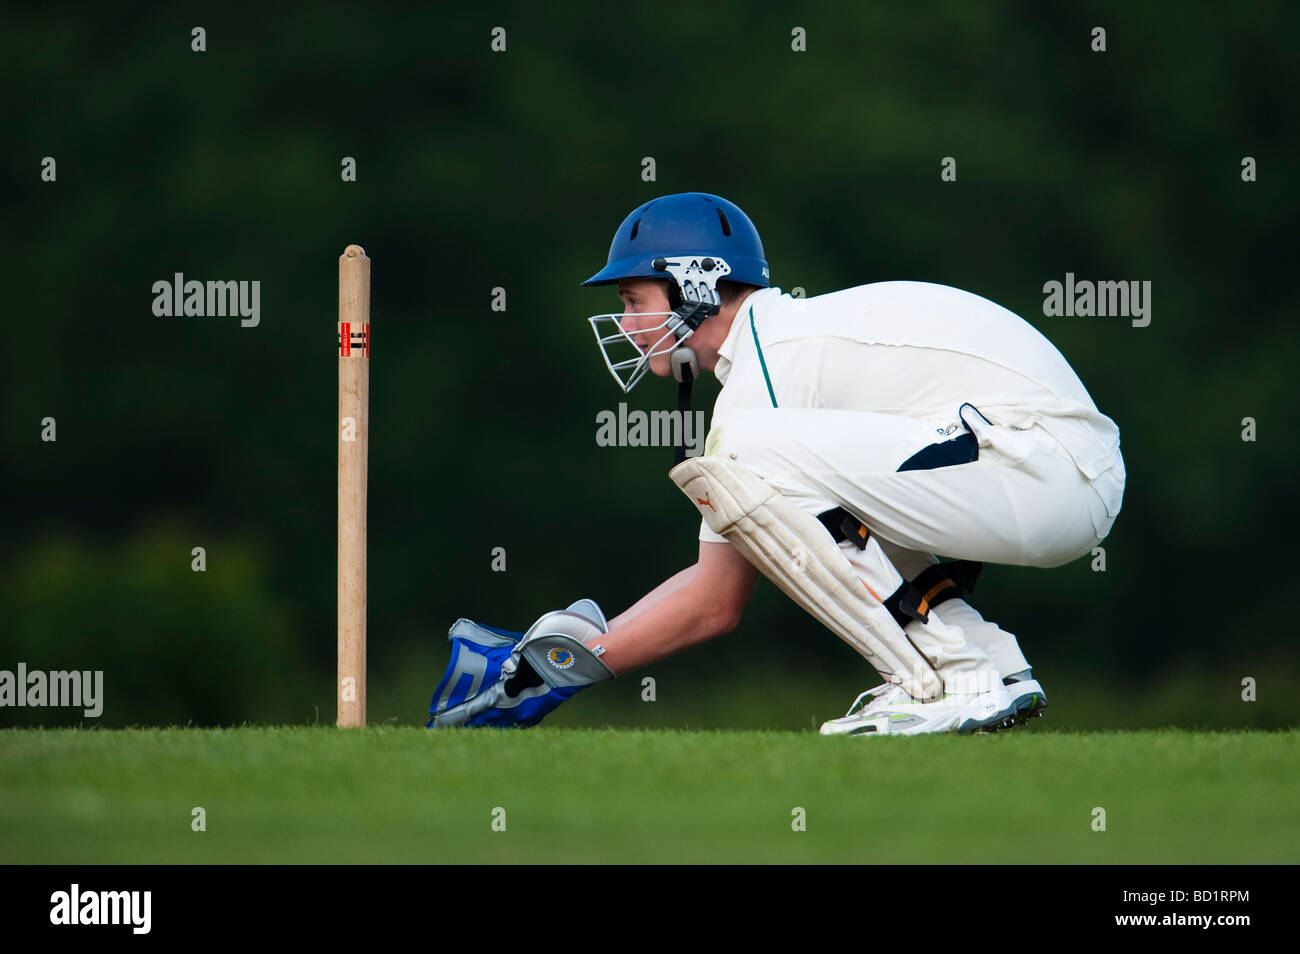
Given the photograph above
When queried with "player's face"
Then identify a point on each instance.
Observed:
(644, 302)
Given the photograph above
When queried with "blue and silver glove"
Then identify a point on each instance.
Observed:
(498, 677)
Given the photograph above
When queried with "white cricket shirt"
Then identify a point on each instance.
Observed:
(910, 348)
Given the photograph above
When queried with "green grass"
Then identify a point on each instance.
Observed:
(403, 795)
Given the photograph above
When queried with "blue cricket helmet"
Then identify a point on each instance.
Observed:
(685, 224)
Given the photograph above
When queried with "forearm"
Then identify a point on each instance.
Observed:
(700, 602)
(658, 626)
(664, 590)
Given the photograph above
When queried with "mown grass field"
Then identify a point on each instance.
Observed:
(407, 795)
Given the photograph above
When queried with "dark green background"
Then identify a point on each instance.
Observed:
(478, 170)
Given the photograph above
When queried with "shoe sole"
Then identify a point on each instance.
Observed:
(1029, 705)
(995, 724)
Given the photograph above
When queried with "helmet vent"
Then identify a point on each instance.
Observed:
(726, 226)
(635, 225)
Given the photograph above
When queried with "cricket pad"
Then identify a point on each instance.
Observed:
(793, 550)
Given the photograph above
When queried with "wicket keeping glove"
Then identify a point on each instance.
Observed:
(498, 677)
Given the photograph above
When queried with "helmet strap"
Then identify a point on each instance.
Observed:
(685, 367)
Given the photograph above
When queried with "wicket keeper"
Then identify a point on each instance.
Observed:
(858, 437)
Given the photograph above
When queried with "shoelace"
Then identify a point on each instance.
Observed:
(879, 691)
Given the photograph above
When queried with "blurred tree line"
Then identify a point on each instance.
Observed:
(479, 169)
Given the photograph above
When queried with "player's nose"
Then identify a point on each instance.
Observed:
(632, 324)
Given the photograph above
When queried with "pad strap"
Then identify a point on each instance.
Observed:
(842, 525)
(939, 584)
(912, 600)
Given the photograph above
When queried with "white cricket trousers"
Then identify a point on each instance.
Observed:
(1023, 502)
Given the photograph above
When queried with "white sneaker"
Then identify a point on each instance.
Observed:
(852, 719)
(1029, 698)
(892, 711)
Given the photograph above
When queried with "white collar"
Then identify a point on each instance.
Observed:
(756, 303)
